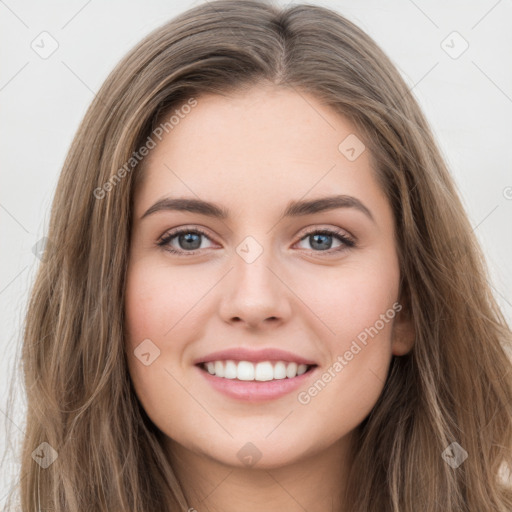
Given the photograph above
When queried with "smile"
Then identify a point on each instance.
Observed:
(249, 371)
(255, 382)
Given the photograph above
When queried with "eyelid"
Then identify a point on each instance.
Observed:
(325, 227)
(172, 233)
(347, 240)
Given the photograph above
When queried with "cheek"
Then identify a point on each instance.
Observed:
(350, 299)
(152, 308)
(161, 316)
(159, 301)
(358, 303)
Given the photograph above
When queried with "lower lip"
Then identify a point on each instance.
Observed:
(256, 391)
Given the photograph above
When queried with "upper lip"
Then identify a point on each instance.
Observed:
(254, 356)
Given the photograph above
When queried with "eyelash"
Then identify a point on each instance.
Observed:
(347, 242)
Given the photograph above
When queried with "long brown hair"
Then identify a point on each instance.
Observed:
(454, 386)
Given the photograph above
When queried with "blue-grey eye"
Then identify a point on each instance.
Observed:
(189, 241)
(321, 241)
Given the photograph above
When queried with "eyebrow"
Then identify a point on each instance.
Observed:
(294, 208)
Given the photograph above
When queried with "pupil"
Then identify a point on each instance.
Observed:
(315, 238)
(190, 238)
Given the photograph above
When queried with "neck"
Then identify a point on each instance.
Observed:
(314, 483)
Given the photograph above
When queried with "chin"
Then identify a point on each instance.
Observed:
(253, 452)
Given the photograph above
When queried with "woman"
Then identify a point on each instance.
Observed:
(262, 368)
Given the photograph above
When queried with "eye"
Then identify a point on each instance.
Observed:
(189, 240)
(321, 239)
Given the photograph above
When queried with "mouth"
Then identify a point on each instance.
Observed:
(262, 371)
(250, 375)
(256, 382)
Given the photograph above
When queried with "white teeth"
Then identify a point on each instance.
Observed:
(219, 368)
(280, 370)
(230, 371)
(301, 369)
(263, 371)
(291, 370)
(245, 371)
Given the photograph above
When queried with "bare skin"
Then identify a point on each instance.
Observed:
(252, 154)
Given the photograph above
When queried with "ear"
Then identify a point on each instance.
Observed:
(403, 332)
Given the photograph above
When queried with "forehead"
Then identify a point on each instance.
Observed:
(250, 150)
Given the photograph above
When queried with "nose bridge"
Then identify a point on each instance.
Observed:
(255, 293)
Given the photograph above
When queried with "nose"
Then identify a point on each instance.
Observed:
(255, 294)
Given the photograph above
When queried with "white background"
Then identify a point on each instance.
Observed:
(467, 100)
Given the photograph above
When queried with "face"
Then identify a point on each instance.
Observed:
(319, 284)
